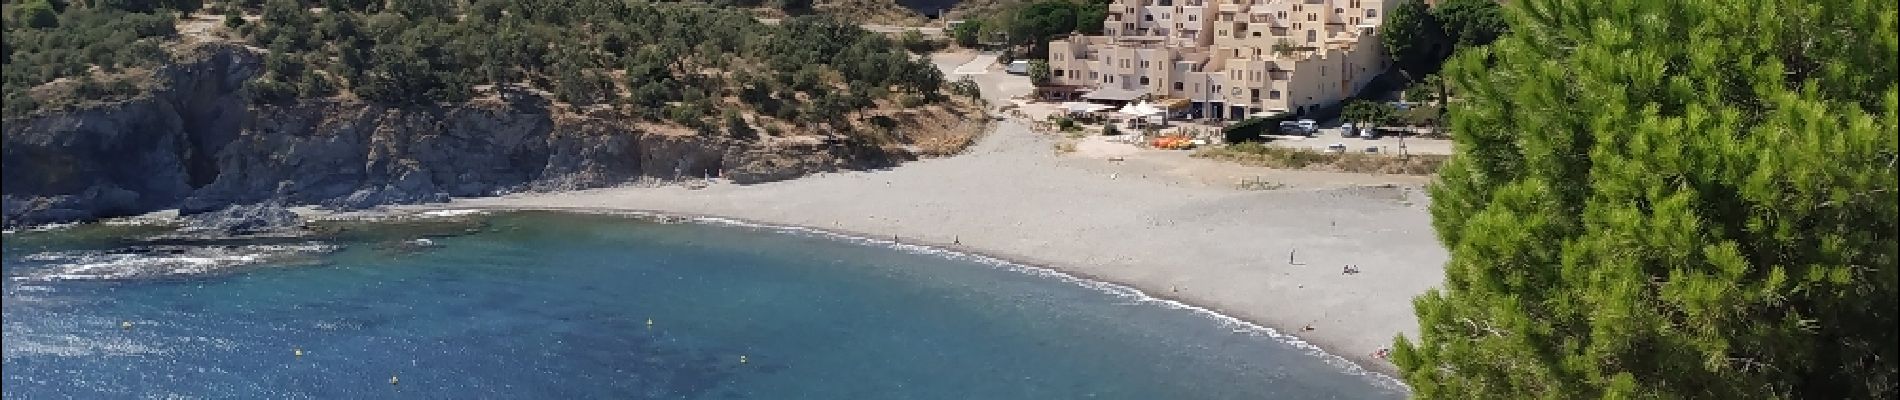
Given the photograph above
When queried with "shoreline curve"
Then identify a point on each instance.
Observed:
(1348, 365)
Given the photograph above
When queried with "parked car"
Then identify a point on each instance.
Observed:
(1348, 130)
(1018, 67)
(1304, 127)
(1368, 133)
(1336, 148)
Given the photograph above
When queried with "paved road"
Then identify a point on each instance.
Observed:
(928, 31)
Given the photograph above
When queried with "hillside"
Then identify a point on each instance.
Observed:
(426, 100)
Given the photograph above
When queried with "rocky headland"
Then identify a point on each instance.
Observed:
(197, 143)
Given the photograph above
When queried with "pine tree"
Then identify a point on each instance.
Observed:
(1688, 199)
(1412, 38)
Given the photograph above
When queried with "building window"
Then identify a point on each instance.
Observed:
(1144, 65)
(1092, 75)
(1217, 88)
(1144, 81)
(1256, 52)
(1111, 32)
(1355, 20)
(1255, 93)
(1281, 15)
(1312, 17)
(1256, 33)
(1372, 13)
(1166, 15)
(1179, 86)
(1273, 95)
(1322, 71)
(1223, 32)
(1312, 36)
(1148, 17)
(1192, 17)
(1058, 73)
(1337, 11)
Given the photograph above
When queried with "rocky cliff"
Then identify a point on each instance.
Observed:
(197, 144)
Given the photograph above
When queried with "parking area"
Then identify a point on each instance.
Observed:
(1327, 137)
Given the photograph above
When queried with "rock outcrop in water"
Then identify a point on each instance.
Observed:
(197, 144)
(244, 220)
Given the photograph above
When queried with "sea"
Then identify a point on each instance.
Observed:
(464, 304)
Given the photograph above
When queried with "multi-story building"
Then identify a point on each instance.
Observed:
(1228, 58)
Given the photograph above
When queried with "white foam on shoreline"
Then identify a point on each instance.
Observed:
(453, 212)
(1133, 295)
(158, 261)
(41, 228)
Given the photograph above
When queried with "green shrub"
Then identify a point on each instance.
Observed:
(1250, 129)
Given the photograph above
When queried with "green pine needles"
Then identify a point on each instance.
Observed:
(1686, 199)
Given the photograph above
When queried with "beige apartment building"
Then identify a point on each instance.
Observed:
(1227, 58)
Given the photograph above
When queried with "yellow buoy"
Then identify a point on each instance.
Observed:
(125, 324)
(742, 359)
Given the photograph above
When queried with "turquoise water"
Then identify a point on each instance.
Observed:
(545, 305)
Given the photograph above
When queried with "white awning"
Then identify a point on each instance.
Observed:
(1080, 107)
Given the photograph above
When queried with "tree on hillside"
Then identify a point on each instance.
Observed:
(1674, 200)
(1470, 23)
(1368, 111)
(968, 33)
(1413, 38)
(1089, 16)
(795, 6)
(1039, 72)
(36, 14)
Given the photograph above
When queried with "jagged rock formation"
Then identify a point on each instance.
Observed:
(198, 145)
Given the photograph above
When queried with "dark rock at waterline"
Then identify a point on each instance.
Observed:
(244, 220)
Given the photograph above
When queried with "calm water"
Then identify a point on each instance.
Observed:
(543, 305)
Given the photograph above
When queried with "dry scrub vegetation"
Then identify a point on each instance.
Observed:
(1257, 154)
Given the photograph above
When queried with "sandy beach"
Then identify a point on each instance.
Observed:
(1175, 228)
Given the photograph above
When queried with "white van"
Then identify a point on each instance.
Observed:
(1018, 67)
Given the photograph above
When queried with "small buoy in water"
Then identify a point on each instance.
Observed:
(392, 379)
(742, 359)
(298, 352)
(649, 323)
(125, 324)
